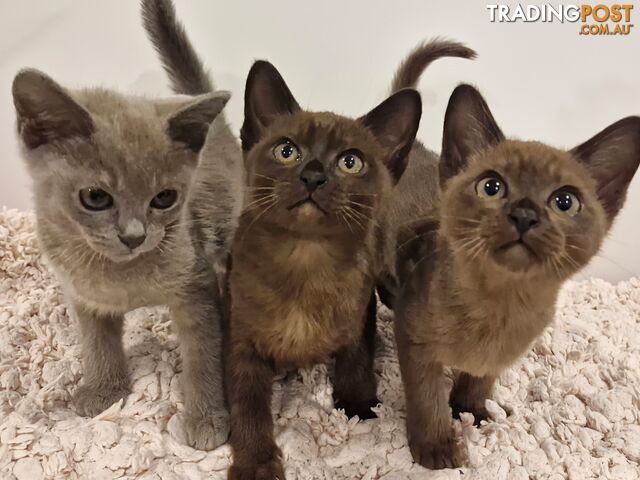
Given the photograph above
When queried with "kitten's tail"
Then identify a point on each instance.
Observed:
(420, 58)
(181, 62)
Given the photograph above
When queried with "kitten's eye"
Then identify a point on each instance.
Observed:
(95, 199)
(286, 152)
(565, 203)
(350, 163)
(491, 187)
(164, 199)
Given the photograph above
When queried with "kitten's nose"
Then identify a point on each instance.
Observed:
(524, 215)
(132, 241)
(313, 175)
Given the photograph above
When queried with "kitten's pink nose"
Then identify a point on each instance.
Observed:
(132, 241)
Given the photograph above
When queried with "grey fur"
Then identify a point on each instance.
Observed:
(178, 57)
(416, 194)
(223, 196)
(130, 151)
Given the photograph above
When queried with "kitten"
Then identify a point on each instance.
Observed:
(479, 280)
(306, 252)
(128, 214)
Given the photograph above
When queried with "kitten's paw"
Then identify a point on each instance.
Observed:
(360, 408)
(479, 413)
(437, 455)
(262, 471)
(90, 401)
(206, 432)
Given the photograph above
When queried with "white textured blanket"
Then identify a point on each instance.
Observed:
(573, 402)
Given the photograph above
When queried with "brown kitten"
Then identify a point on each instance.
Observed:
(304, 256)
(480, 279)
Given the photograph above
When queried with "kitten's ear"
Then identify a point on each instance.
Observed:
(266, 96)
(395, 123)
(46, 113)
(190, 125)
(612, 157)
(469, 128)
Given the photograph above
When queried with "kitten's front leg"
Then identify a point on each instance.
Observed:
(197, 321)
(429, 428)
(469, 394)
(106, 379)
(354, 384)
(255, 453)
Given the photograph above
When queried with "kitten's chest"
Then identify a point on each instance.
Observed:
(305, 314)
(486, 337)
(494, 343)
(120, 288)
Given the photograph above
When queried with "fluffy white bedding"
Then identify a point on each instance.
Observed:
(573, 402)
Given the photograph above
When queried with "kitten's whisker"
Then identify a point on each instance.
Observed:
(351, 202)
(429, 255)
(613, 262)
(259, 202)
(345, 220)
(269, 206)
(414, 237)
(365, 218)
(264, 176)
(362, 194)
(463, 219)
(255, 189)
(599, 255)
(475, 249)
(348, 211)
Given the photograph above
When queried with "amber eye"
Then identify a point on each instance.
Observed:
(350, 163)
(565, 202)
(164, 200)
(95, 199)
(286, 152)
(491, 186)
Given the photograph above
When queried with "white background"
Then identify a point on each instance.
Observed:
(543, 81)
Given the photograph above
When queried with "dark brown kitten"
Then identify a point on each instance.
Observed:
(304, 257)
(480, 279)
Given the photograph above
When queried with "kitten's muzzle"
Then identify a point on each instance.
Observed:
(524, 216)
(310, 200)
(132, 241)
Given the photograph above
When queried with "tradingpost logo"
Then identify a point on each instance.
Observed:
(597, 19)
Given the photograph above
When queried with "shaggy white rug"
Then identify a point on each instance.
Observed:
(574, 401)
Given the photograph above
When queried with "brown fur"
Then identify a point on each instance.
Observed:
(422, 56)
(417, 191)
(303, 273)
(475, 291)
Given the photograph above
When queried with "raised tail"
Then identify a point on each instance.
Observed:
(420, 58)
(181, 62)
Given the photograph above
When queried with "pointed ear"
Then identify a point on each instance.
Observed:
(469, 128)
(46, 113)
(190, 125)
(266, 96)
(395, 123)
(612, 157)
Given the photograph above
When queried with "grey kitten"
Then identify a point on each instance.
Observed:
(135, 202)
